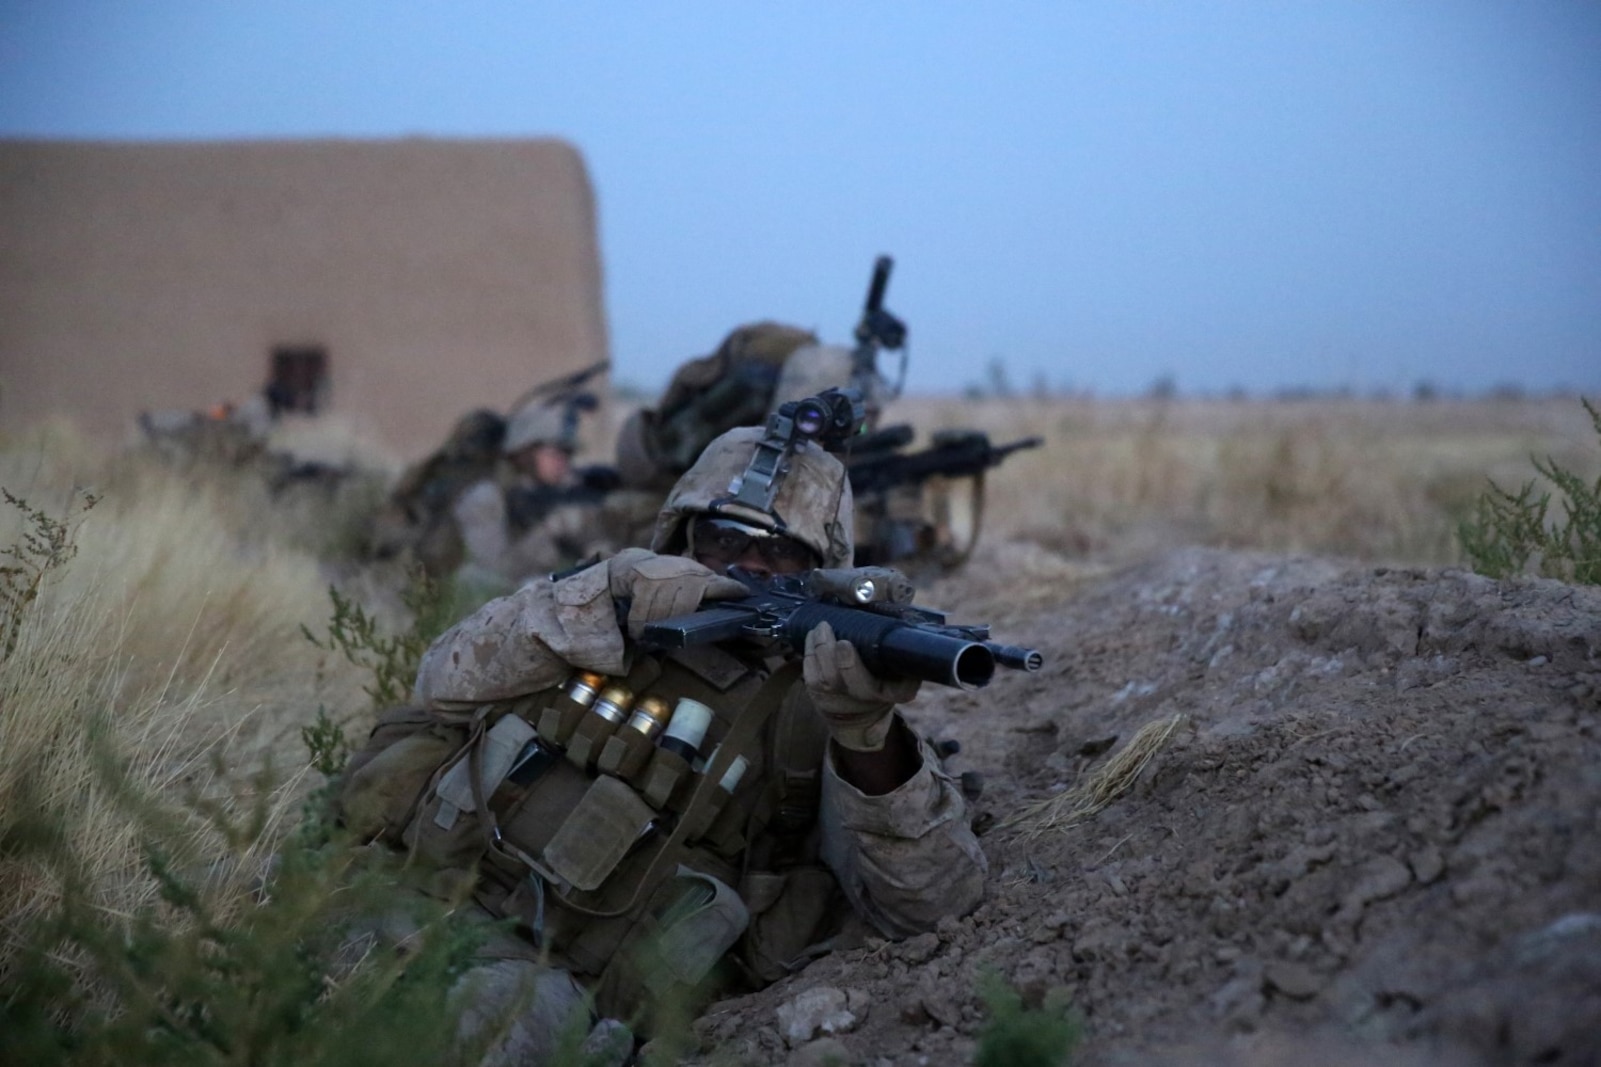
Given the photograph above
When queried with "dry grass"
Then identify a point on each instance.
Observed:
(1364, 479)
(1110, 781)
(174, 633)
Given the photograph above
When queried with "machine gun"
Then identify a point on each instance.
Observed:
(526, 506)
(951, 454)
(947, 531)
(868, 606)
(877, 329)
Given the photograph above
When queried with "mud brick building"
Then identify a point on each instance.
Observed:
(394, 284)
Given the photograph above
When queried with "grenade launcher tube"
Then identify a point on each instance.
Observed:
(896, 649)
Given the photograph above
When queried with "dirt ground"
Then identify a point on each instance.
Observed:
(1372, 838)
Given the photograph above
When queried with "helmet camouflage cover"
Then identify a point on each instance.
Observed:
(813, 504)
(541, 424)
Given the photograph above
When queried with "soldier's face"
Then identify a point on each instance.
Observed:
(723, 543)
(544, 463)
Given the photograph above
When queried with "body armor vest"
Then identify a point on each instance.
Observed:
(634, 861)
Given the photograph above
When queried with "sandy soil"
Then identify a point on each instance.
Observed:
(1373, 837)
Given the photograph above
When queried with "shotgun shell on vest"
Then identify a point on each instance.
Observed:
(687, 728)
(731, 777)
(707, 815)
(627, 750)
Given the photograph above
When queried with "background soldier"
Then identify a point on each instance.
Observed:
(418, 520)
(535, 514)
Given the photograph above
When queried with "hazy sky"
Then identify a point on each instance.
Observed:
(1270, 194)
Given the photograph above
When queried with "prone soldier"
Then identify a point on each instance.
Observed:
(501, 500)
(536, 513)
(655, 820)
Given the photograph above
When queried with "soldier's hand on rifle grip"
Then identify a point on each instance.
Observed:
(662, 587)
(857, 704)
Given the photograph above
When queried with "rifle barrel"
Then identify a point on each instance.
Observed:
(1016, 657)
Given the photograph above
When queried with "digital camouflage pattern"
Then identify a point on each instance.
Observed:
(810, 505)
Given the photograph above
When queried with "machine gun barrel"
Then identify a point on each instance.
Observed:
(893, 640)
(970, 454)
(882, 441)
(1017, 657)
(878, 327)
(880, 282)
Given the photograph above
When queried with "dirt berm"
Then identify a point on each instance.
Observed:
(1371, 837)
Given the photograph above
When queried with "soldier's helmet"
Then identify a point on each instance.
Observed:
(541, 424)
(813, 503)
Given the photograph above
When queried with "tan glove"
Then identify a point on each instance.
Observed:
(857, 704)
(661, 587)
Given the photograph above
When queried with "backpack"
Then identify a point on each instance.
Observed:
(416, 518)
(734, 386)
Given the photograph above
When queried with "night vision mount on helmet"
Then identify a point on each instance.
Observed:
(830, 419)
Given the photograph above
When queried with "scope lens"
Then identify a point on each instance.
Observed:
(810, 418)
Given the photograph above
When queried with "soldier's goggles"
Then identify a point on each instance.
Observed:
(727, 541)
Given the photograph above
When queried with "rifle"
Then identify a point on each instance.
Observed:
(867, 606)
(953, 454)
(527, 506)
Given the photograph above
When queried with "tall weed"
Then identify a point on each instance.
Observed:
(1510, 531)
(391, 659)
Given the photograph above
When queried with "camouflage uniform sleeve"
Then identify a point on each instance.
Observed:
(525, 642)
(906, 859)
(480, 514)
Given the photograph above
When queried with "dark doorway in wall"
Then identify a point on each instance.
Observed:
(298, 379)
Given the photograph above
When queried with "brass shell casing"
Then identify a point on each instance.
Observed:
(560, 718)
(613, 703)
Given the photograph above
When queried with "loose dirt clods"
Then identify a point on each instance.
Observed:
(1369, 833)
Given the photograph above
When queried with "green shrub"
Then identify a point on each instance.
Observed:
(1509, 530)
(392, 659)
(283, 981)
(1018, 1036)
